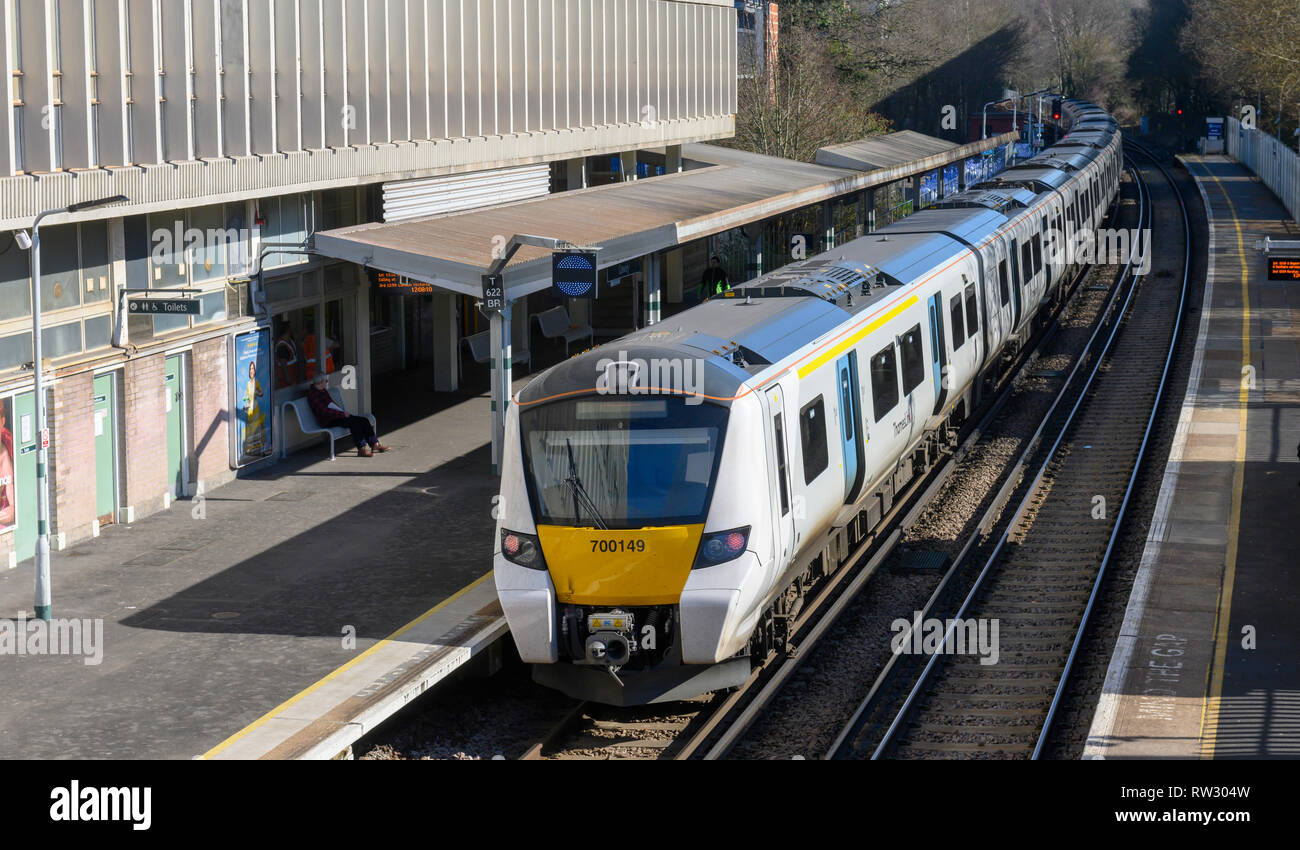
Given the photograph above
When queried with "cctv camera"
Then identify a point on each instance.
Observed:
(24, 241)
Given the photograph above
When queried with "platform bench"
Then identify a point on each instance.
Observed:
(307, 422)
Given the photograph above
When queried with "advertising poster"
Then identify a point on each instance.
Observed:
(8, 501)
(252, 396)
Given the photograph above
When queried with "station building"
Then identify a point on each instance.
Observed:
(285, 161)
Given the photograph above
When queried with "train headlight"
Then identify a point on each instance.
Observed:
(522, 549)
(721, 546)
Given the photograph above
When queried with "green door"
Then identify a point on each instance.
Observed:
(175, 404)
(105, 448)
(25, 434)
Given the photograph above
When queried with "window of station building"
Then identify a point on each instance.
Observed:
(1004, 287)
(913, 357)
(812, 433)
(290, 330)
(188, 248)
(884, 381)
(338, 208)
(289, 220)
(958, 326)
(15, 279)
(972, 311)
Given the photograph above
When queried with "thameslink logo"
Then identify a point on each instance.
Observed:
(91, 803)
(948, 637)
(54, 637)
(656, 376)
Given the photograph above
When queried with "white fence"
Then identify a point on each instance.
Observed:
(1272, 161)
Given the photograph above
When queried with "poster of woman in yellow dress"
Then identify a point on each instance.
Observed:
(252, 402)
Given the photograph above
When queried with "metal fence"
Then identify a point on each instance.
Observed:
(1272, 161)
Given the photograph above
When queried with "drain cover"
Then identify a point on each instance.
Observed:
(920, 560)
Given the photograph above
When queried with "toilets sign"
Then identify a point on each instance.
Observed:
(164, 306)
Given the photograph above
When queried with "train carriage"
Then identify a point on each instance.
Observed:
(667, 498)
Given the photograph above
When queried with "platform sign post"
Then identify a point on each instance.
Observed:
(494, 293)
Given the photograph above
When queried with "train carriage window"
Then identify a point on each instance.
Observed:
(1003, 286)
(1038, 253)
(1026, 263)
(812, 432)
(884, 381)
(958, 326)
(779, 427)
(913, 357)
(972, 312)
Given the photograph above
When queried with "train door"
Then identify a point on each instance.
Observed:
(846, 370)
(779, 467)
(938, 353)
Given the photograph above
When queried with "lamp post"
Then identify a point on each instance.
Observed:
(43, 455)
(984, 128)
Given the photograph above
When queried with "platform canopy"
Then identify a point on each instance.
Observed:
(720, 189)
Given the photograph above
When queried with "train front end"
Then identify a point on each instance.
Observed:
(603, 520)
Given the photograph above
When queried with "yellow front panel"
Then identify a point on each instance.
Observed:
(643, 566)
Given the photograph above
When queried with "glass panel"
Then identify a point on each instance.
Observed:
(162, 324)
(212, 307)
(59, 288)
(284, 289)
(292, 330)
(98, 332)
(812, 433)
(15, 279)
(311, 284)
(340, 333)
(96, 276)
(166, 257)
(61, 340)
(15, 350)
(209, 258)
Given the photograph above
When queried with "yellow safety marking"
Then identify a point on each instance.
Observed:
(639, 566)
(853, 340)
(1211, 707)
(313, 688)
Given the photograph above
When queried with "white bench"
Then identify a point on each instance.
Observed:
(555, 324)
(307, 422)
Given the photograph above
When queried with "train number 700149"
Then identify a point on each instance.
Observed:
(617, 545)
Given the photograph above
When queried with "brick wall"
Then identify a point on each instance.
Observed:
(144, 437)
(209, 414)
(72, 457)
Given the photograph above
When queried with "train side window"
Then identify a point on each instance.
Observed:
(958, 326)
(884, 381)
(1026, 263)
(779, 427)
(913, 357)
(1038, 253)
(1003, 287)
(972, 312)
(812, 432)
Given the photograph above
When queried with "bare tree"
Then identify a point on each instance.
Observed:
(800, 103)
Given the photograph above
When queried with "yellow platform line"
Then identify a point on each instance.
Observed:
(357, 660)
(1211, 707)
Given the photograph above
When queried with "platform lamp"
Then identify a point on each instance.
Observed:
(42, 458)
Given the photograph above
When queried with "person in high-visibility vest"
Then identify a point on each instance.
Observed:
(309, 355)
(287, 367)
(714, 280)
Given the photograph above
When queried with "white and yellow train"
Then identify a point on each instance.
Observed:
(666, 498)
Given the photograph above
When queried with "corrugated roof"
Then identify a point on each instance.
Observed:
(885, 151)
(627, 220)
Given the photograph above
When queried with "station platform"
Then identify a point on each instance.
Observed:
(283, 616)
(1206, 663)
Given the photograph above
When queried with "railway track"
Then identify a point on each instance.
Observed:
(710, 727)
(1040, 580)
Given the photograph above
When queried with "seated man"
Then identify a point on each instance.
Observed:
(329, 414)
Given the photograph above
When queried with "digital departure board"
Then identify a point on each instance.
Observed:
(397, 284)
(1284, 268)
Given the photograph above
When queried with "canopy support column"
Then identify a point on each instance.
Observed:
(501, 381)
(654, 284)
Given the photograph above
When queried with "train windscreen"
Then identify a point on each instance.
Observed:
(621, 463)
